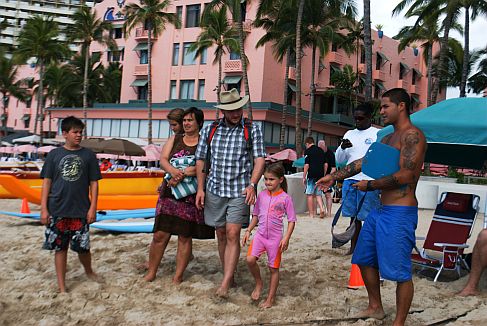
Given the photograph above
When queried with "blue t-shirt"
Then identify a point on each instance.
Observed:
(71, 173)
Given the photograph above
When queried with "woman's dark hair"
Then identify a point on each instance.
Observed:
(176, 115)
(71, 122)
(277, 169)
(198, 115)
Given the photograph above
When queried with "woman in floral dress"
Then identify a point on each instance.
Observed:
(178, 216)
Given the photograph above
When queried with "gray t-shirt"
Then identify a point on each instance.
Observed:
(71, 173)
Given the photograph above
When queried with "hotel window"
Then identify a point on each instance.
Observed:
(117, 33)
(204, 56)
(378, 62)
(179, 13)
(334, 47)
(188, 56)
(144, 57)
(26, 121)
(403, 69)
(201, 89)
(232, 82)
(234, 55)
(115, 56)
(193, 16)
(362, 54)
(142, 92)
(172, 91)
(175, 54)
(186, 89)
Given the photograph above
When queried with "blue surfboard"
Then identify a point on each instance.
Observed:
(125, 227)
(380, 160)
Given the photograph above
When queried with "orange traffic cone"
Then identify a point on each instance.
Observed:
(355, 280)
(24, 209)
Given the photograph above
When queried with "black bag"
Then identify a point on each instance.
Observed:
(340, 239)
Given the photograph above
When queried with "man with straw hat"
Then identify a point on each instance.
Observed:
(232, 148)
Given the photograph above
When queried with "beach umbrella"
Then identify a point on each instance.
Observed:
(107, 156)
(6, 149)
(299, 163)
(92, 143)
(456, 132)
(152, 153)
(121, 147)
(46, 149)
(25, 148)
(284, 155)
(34, 139)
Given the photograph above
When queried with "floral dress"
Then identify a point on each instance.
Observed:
(180, 216)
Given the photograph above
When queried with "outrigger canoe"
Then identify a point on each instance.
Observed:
(118, 190)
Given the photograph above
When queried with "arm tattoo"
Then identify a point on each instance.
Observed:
(348, 171)
(389, 182)
(410, 150)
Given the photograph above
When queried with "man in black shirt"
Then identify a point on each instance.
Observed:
(314, 169)
(330, 167)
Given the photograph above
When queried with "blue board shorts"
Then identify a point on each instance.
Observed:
(311, 188)
(386, 241)
(352, 197)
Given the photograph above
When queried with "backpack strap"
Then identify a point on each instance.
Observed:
(211, 133)
(248, 140)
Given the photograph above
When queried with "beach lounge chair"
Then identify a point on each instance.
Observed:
(447, 236)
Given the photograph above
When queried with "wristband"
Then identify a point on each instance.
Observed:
(253, 185)
(369, 186)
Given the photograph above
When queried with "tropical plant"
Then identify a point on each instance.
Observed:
(39, 39)
(234, 7)
(345, 85)
(153, 16)
(9, 86)
(478, 81)
(368, 51)
(87, 28)
(278, 19)
(216, 31)
(112, 81)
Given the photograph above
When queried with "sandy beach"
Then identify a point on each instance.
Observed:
(312, 288)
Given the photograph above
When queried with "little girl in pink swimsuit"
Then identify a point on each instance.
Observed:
(269, 211)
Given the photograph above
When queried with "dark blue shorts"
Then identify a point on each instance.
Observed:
(351, 199)
(63, 232)
(386, 241)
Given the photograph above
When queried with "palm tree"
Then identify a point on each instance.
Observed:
(9, 86)
(112, 80)
(278, 18)
(39, 39)
(235, 9)
(473, 8)
(368, 51)
(478, 81)
(153, 16)
(86, 30)
(451, 10)
(299, 145)
(345, 84)
(216, 31)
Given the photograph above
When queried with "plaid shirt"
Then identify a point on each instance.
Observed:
(230, 169)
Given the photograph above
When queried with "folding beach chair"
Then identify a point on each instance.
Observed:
(450, 228)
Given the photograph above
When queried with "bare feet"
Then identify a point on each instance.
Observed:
(142, 267)
(95, 277)
(267, 303)
(222, 292)
(466, 292)
(149, 277)
(177, 280)
(255, 296)
(371, 313)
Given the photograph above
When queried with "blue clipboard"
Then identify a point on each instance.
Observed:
(380, 160)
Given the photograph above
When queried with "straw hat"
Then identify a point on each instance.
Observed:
(231, 100)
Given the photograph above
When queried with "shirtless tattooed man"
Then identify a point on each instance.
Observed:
(387, 238)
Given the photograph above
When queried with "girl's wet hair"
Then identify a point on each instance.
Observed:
(277, 169)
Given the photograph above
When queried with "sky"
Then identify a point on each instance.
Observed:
(381, 14)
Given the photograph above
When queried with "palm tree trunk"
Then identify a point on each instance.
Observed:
(282, 134)
(443, 56)
(466, 54)
(218, 87)
(312, 90)
(4, 112)
(85, 88)
(149, 84)
(430, 71)
(368, 51)
(243, 58)
(298, 78)
(40, 105)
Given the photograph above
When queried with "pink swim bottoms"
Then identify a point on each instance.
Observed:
(259, 245)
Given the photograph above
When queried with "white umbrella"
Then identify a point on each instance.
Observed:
(46, 149)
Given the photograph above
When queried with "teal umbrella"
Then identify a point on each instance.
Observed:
(456, 132)
(299, 163)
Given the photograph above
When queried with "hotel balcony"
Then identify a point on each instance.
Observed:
(246, 25)
(335, 57)
(141, 34)
(378, 75)
(292, 73)
(401, 83)
(232, 66)
(141, 70)
(414, 89)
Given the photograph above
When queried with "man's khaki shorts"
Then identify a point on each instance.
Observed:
(221, 210)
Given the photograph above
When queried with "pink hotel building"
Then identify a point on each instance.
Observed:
(181, 80)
